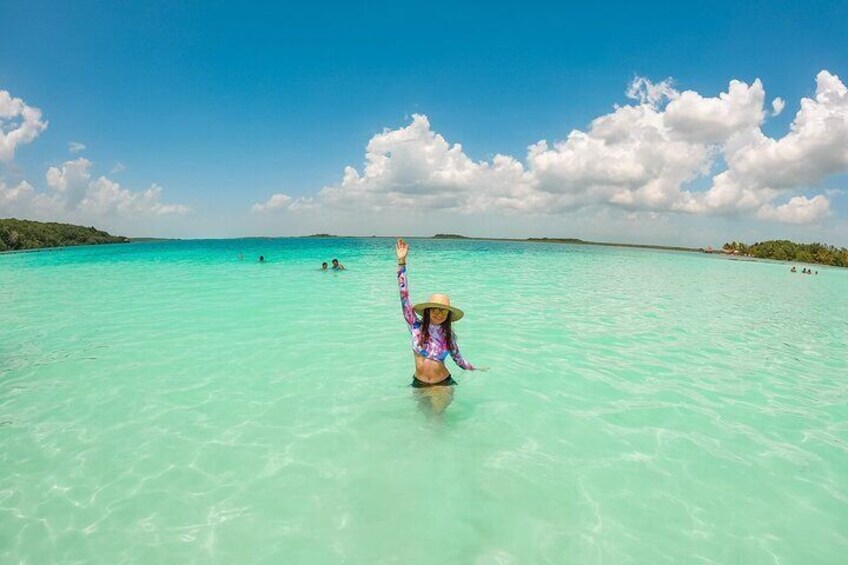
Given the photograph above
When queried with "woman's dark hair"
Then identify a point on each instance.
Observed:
(425, 330)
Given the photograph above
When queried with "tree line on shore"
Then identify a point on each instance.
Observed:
(26, 234)
(785, 250)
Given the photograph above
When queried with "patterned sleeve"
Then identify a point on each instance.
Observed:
(457, 356)
(406, 305)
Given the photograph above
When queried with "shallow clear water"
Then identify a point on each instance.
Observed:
(169, 403)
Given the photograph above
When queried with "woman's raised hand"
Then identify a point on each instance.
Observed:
(402, 250)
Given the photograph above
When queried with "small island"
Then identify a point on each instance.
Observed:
(785, 250)
(18, 235)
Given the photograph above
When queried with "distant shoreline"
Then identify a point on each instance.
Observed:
(559, 240)
(454, 237)
(511, 240)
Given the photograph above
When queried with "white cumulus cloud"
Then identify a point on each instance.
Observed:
(714, 119)
(72, 195)
(106, 197)
(642, 157)
(70, 181)
(276, 202)
(646, 92)
(799, 210)
(22, 201)
(19, 124)
(12, 196)
(627, 158)
(815, 147)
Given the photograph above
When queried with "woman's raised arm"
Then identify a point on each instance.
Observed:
(402, 250)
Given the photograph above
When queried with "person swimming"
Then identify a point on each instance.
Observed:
(433, 338)
(338, 266)
(261, 258)
(324, 266)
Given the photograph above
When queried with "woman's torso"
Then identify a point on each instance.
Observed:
(430, 356)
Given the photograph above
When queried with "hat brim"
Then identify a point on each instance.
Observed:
(457, 313)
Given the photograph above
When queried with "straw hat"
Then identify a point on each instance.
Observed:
(440, 301)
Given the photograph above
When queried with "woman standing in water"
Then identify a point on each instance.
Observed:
(432, 339)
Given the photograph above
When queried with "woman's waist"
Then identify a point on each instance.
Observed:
(429, 370)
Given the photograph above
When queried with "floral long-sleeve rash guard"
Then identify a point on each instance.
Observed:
(436, 347)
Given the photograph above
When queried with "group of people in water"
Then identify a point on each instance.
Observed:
(336, 266)
(805, 270)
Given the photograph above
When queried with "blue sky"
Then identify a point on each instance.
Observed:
(224, 106)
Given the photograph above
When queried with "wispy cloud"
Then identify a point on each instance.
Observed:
(76, 147)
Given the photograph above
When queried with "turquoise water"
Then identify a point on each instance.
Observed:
(169, 403)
